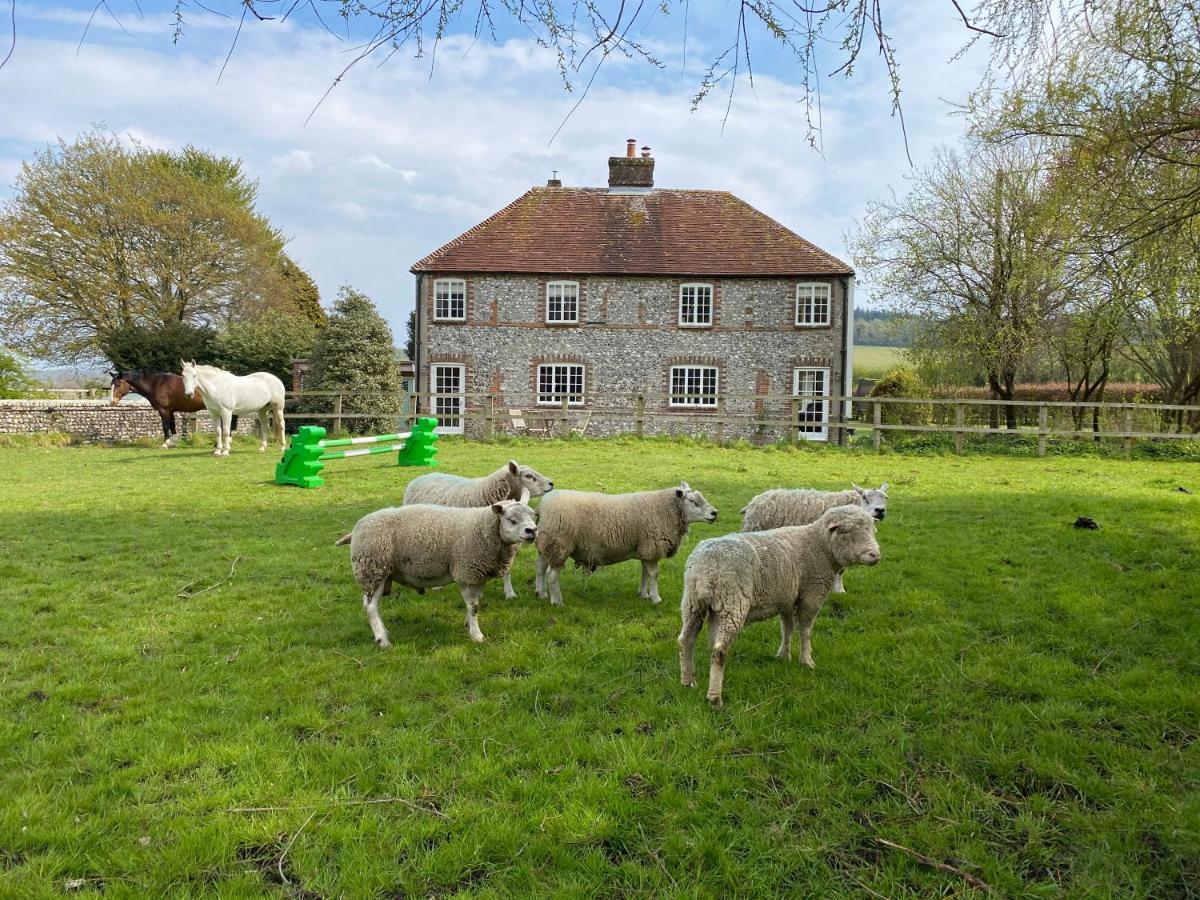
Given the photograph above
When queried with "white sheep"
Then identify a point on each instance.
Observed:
(786, 506)
(424, 546)
(511, 481)
(598, 529)
(751, 576)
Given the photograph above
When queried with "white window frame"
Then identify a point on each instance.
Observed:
(694, 401)
(813, 429)
(448, 405)
(449, 299)
(554, 398)
(562, 284)
(807, 295)
(695, 286)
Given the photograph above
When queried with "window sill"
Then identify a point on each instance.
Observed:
(690, 327)
(438, 321)
(560, 324)
(824, 326)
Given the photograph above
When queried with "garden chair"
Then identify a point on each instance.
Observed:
(518, 422)
(581, 424)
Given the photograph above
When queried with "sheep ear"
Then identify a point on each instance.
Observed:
(883, 488)
(498, 508)
(858, 490)
(513, 468)
(524, 495)
(835, 526)
(678, 492)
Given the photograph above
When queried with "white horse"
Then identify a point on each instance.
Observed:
(227, 395)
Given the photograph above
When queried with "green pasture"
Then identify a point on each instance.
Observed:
(193, 706)
(874, 362)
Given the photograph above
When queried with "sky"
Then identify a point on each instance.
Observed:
(404, 155)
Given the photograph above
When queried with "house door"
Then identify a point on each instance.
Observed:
(447, 399)
(812, 387)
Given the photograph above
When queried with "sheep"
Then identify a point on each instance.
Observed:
(751, 576)
(424, 545)
(510, 482)
(782, 506)
(601, 529)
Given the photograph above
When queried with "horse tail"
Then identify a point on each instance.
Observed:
(343, 540)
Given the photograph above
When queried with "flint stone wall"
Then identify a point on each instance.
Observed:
(99, 420)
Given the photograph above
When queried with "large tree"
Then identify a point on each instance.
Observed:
(976, 248)
(102, 236)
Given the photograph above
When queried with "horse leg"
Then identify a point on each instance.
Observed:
(166, 427)
(217, 425)
(277, 419)
(226, 425)
(263, 427)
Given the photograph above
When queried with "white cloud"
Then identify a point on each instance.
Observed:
(394, 163)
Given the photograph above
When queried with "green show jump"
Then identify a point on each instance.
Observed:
(305, 457)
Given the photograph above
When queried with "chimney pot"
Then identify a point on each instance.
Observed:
(630, 146)
(645, 152)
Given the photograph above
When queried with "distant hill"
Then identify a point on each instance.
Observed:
(883, 328)
(69, 376)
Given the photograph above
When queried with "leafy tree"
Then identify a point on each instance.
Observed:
(299, 294)
(268, 345)
(355, 352)
(157, 347)
(101, 237)
(976, 248)
(13, 380)
(410, 339)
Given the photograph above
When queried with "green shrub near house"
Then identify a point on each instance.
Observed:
(902, 381)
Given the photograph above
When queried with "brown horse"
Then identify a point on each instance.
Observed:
(164, 390)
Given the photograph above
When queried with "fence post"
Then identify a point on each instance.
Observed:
(641, 414)
(491, 416)
(1042, 421)
(876, 431)
(566, 422)
(794, 437)
(960, 419)
(337, 413)
(1128, 430)
(721, 419)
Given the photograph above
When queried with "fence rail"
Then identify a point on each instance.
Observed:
(784, 416)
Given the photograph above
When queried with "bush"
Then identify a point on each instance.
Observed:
(901, 381)
(355, 352)
(269, 345)
(13, 380)
(157, 349)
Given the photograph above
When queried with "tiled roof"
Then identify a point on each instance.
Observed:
(663, 232)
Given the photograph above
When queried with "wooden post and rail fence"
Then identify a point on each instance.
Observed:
(757, 417)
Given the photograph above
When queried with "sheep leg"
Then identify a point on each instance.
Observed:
(649, 589)
(693, 621)
(371, 608)
(539, 584)
(787, 621)
(810, 607)
(552, 573)
(837, 584)
(509, 592)
(472, 594)
(726, 630)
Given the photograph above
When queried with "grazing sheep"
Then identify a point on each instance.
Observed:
(423, 546)
(751, 576)
(783, 506)
(601, 529)
(510, 482)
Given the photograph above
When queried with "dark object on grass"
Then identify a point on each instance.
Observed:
(1087, 522)
(1182, 490)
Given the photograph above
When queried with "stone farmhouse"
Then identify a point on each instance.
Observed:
(691, 297)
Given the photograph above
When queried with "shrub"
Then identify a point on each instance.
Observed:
(268, 345)
(158, 349)
(901, 381)
(355, 352)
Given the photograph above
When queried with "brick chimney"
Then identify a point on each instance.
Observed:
(630, 172)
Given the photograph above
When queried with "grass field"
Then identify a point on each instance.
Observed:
(192, 704)
(874, 362)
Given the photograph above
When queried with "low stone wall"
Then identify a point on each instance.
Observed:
(99, 420)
